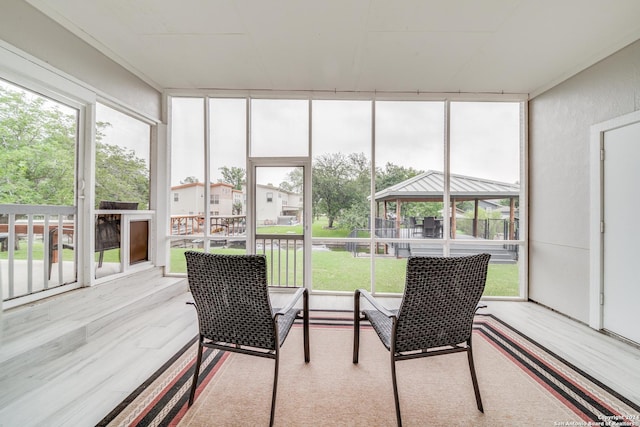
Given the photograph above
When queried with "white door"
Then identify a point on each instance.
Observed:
(621, 214)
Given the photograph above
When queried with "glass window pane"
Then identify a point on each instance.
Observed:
(279, 223)
(485, 168)
(38, 139)
(38, 155)
(122, 158)
(187, 167)
(409, 165)
(227, 169)
(485, 176)
(341, 186)
(187, 178)
(279, 128)
(123, 146)
(409, 185)
(279, 207)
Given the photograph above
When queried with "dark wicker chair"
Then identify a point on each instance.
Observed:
(108, 227)
(234, 311)
(429, 228)
(414, 226)
(435, 316)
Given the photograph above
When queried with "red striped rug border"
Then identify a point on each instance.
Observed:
(591, 400)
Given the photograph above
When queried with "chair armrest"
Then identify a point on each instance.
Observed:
(374, 303)
(292, 302)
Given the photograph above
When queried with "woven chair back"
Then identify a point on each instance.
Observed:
(439, 301)
(232, 299)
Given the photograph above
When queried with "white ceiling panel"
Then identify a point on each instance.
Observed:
(442, 16)
(202, 61)
(514, 46)
(416, 61)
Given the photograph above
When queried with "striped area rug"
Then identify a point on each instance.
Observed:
(545, 389)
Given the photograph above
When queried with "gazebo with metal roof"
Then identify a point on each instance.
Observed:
(429, 187)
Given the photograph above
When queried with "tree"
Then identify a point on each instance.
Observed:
(338, 183)
(37, 152)
(356, 215)
(294, 181)
(120, 175)
(38, 161)
(190, 180)
(233, 175)
(393, 174)
(422, 209)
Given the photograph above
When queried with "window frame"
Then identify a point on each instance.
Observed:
(447, 98)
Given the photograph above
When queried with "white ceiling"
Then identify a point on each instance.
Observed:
(511, 46)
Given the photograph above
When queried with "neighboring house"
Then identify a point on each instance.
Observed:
(276, 206)
(188, 199)
(239, 200)
(273, 205)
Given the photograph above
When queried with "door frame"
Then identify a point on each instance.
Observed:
(596, 223)
(305, 163)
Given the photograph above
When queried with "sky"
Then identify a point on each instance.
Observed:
(485, 136)
(125, 131)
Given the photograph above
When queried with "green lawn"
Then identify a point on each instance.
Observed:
(332, 270)
(341, 271)
(112, 255)
(318, 229)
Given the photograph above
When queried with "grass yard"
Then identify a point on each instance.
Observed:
(334, 270)
(112, 255)
(341, 271)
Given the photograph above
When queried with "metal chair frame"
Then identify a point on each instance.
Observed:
(238, 344)
(386, 322)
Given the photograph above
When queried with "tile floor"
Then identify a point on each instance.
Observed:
(69, 360)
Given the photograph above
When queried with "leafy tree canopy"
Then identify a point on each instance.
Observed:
(393, 174)
(233, 175)
(38, 156)
(339, 181)
(190, 180)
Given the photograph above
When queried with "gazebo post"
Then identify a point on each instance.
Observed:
(453, 218)
(512, 215)
(475, 218)
(383, 223)
(398, 219)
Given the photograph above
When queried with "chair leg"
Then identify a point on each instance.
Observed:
(474, 378)
(305, 321)
(196, 372)
(356, 326)
(275, 389)
(50, 259)
(395, 388)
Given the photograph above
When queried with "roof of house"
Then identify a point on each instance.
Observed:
(200, 184)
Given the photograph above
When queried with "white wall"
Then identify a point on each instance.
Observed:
(559, 137)
(190, 200)
(26, 28)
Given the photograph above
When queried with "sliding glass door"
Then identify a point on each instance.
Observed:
(38, 201)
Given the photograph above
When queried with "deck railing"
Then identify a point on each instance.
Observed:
(39, 248)
(27, 271)
(285, 263)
